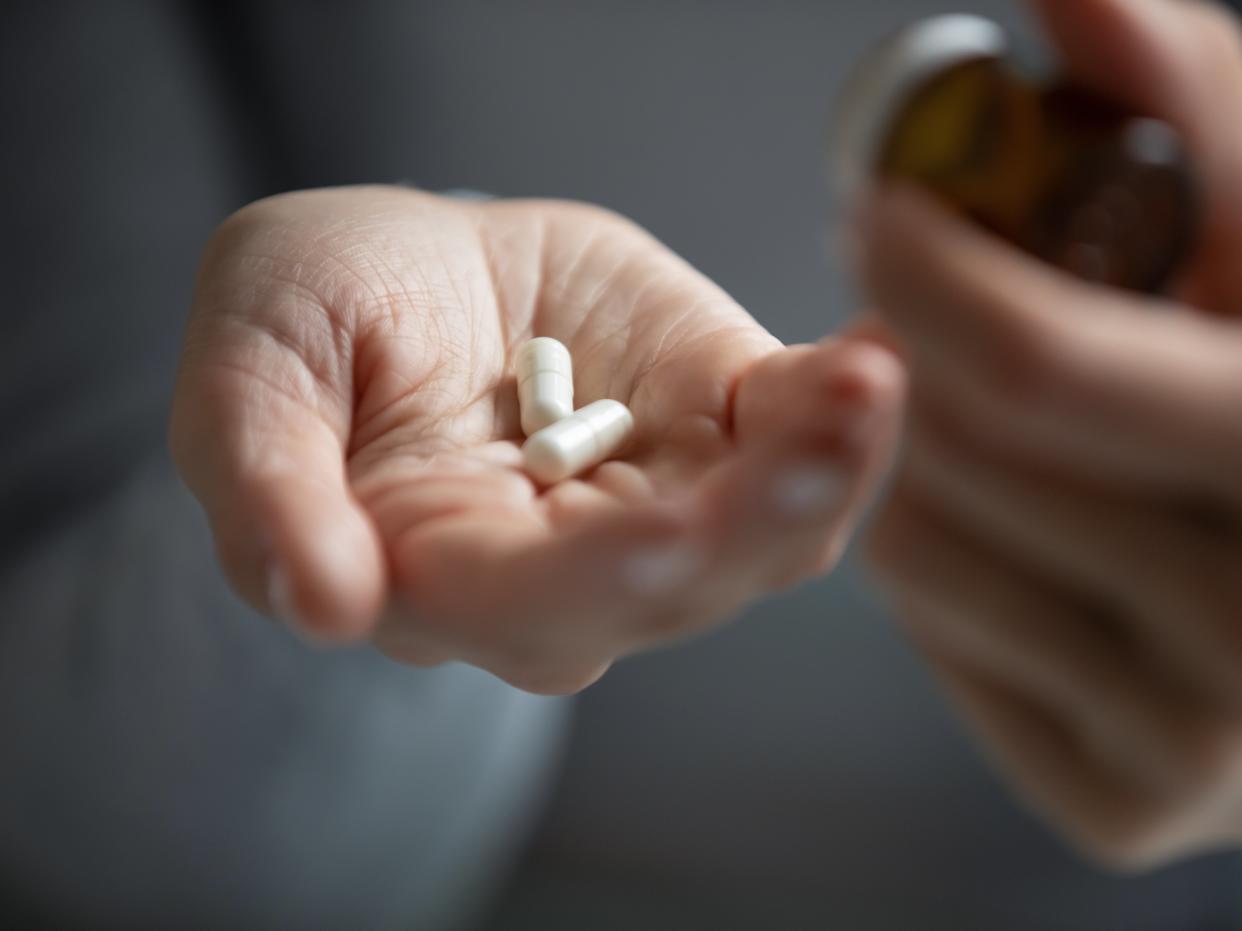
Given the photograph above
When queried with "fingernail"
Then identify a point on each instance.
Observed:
(661, 570)
(810, 491)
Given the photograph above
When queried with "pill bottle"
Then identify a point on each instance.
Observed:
(949, 105)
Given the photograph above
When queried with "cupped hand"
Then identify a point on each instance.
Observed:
(1065, 536)
(347, 415)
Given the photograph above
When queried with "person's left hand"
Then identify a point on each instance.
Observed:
(1064, 537)
(347, 414)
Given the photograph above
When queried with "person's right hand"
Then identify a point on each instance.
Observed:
(347, 416)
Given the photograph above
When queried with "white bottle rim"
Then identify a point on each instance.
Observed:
(874, 94)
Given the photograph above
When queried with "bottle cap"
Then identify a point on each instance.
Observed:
(885, 80)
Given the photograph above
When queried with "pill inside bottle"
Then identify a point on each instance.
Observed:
(1100, 192)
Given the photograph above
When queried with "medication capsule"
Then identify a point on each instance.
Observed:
(1089, 187)
(580, 441)
(545, 379)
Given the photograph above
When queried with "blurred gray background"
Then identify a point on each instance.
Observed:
(795, 770)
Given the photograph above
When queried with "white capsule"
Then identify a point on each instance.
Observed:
(545, 379)
(580, 441)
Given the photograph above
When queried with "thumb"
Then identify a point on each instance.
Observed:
(269, 470)
(1179, 61)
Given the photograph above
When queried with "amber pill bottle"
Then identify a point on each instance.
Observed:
(946, 104)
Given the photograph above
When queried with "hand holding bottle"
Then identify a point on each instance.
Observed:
(1064, 540)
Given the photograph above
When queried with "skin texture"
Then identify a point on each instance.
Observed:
(347, 415)
(1063, 536)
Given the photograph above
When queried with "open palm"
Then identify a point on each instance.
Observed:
(347, 415)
